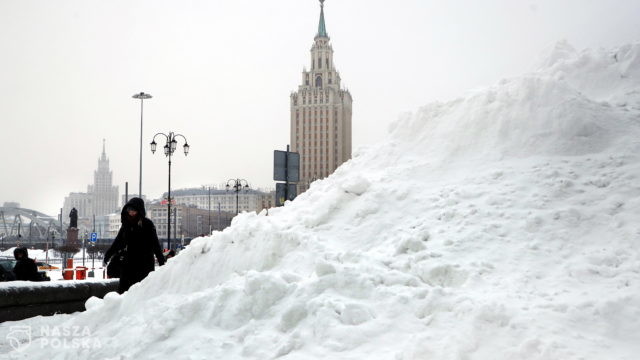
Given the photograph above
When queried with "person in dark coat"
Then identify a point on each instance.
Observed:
(25, 268)
(138, 241)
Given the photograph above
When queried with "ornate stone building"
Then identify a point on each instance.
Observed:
(320, 114)
(105, 195)
(100, 199)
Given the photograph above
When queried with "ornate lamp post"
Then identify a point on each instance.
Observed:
(169, 148)
(237, 185)
(142, 96)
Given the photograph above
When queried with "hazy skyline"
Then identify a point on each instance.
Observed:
(221, 73)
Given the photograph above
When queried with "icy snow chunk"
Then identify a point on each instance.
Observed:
(293, 316)
(411, 245)
(443, 275)
(492, 315)
(355, 314)
(263, 291)
(357, 185)
(93, 302)
(561, 51)
(324, 268)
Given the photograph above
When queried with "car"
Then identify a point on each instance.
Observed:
(6, 268)
(44, 266)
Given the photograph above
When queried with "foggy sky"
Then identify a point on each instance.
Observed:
(221, 73)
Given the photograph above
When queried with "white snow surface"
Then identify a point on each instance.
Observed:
(501, 225)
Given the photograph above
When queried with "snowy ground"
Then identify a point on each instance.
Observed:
(501, 225)
(40, 255)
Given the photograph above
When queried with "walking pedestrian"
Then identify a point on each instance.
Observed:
(136, 244)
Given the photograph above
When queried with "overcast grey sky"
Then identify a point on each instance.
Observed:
(221, 73)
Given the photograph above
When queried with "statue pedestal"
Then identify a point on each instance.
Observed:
(72, 237)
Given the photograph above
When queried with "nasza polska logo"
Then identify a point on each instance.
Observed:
(55, 337)
(19, 337)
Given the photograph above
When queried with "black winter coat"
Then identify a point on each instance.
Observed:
(140, 242)
(26, 269)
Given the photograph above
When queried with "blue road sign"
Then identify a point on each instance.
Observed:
(94, 237)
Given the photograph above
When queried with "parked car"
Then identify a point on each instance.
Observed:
(44, 266)
(6, 268)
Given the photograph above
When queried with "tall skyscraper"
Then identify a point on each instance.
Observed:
(320, 114)
(101, 198)
(105, 195)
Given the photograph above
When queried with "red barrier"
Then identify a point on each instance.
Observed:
(67, 274)
(81, 272)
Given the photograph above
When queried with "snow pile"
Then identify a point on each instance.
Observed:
(502, 225)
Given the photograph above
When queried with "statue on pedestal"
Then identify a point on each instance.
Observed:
(73, 224)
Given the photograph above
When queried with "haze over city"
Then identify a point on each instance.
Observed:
(221, 74)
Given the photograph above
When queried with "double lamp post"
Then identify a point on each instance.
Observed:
(170, 146)
(237, 185)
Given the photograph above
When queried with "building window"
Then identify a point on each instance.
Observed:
(319, 81)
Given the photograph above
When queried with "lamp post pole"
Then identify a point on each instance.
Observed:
(219, 215)
(238, 185)
(169, 148)
(142, 96)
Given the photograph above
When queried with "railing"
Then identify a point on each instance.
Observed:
(23, 301)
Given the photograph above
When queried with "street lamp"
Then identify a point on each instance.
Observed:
(169, 147)
(209, 206)
(237, 185)
(142, 96)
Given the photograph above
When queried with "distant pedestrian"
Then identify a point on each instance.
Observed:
(169, 254)
(25, 268)
(137, 243)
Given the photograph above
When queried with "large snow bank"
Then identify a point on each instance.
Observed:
(501, 225)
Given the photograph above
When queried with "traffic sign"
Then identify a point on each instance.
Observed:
(94, 237)
(283, 195)
(286, 166)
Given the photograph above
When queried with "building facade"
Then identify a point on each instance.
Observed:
(222, 200)
(320, 114)
(83, 202)
(157, 212)
(108, 226)
(105, 195)
(100, 199)
(186, 221)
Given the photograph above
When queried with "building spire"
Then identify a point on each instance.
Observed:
(322, 28)
(104, 152)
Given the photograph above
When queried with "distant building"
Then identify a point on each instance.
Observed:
(83, 202)
(157, 212)
(107, 226)
(269, 199)
(105, 195)
(100, 199)
(186, 221)
(126, 198)
(320, 114)
(196, 221)
(223, 200)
